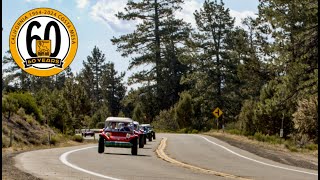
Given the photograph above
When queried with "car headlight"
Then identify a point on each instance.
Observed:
(128, 135)
(108, 134)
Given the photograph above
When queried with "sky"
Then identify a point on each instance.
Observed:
(96, 23)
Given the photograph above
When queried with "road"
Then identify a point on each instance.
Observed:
(83, 162)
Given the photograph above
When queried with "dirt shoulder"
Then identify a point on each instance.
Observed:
(276, 153)
(10, 171)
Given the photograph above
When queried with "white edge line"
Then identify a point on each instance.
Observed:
(289, 169)
(63, 159)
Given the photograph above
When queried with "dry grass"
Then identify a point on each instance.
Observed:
(303, 158)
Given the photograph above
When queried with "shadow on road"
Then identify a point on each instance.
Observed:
(121, 154)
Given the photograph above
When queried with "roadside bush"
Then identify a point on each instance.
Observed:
(27, 102)
(183, 130)
(77, 138)
(29, 119)
(289, 144)
(234, 131)
(258, 136)
(9, 105)
(100, 125)
(312, 147)
(246, 117)
(273, 139)
(266, 138)
(194, 131)
(5, 142)
(44, 140)
(184, 110)
(54, 140)
(21, 112)
(306, 118)
(5, 130)
(166, 120)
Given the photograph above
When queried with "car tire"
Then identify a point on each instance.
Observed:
(85, 135)
(101, 145)
(145, 139)
(150, 137)
(141, 141)
(134, 148)
(154, 135)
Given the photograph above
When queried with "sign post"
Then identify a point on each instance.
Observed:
(281, 133)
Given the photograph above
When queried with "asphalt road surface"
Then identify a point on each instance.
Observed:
(84, 162)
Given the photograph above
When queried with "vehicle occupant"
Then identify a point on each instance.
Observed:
(112, 127)
(126, 128)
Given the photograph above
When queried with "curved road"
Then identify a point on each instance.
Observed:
(83, 162)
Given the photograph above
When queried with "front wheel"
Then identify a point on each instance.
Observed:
(141, 141)
(134, 148)
(101, 145)
(150, 137)
(145, 139)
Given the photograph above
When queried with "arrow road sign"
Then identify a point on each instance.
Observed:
(217, 112)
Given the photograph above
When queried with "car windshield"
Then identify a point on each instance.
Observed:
(117, 126)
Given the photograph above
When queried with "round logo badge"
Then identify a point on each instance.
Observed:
(43, 42)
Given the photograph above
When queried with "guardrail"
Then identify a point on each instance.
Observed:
(83, 130)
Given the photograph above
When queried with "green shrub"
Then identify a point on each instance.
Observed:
(194, 131)
(184, 110)
(100, 125)
(273, 139)
(183, 130)
(312, 147)
(5, 130)
(259, 136)
(27, 102)
(21, 112)
(54, 140)
(234, 131)
(9, 105)
(293, 149)
(166, 121)
(289, 144)
(5, 142)
(77, 138)
(44, 140)
(306, 118)
(29, 119)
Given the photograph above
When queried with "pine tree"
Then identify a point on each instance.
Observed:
(91, 75)
(14, 74)
(150, 44)
(212, 69)
(113, 89)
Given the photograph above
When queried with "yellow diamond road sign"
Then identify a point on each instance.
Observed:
(217, 112)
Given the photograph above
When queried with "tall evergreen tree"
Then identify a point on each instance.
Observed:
(149, 44)
(91, 75)
(13, 74)
(213, 70)
(113, 89)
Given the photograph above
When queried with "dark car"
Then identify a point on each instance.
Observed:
(149, 130)
(88, 133)
(142, 135)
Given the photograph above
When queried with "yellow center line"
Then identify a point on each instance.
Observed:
(160, 152)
